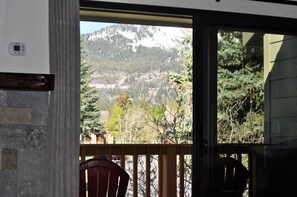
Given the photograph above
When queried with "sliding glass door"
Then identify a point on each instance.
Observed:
(247, 120)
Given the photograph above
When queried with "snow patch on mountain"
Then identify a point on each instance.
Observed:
(142, 35)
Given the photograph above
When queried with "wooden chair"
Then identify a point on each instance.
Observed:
(104, 178)
(232, 177)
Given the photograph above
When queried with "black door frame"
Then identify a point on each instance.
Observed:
(205, 26)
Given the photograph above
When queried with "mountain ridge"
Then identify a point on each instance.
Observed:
(143, 35)
(134, 58)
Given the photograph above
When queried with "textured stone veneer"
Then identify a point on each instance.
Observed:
(23, 129)
(15, 115)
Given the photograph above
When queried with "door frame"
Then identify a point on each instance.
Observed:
(205, 28)
(205, 25)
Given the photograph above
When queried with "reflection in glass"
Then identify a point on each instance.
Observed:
(256, 106)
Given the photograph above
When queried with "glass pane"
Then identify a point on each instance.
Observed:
(141, 76)
(256, 108)
(240, 115)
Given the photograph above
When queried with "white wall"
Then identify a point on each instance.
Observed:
(239, 6)
(24, 21)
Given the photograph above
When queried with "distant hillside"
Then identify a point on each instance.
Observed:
(135, 58)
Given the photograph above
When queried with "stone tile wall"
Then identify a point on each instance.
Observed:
(23, 129)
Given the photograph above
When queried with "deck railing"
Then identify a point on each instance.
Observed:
(166, 158)
(173, 164)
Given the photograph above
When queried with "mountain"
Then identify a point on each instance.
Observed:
(141, 35)
(134, 58)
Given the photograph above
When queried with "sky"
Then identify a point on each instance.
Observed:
(90, 27)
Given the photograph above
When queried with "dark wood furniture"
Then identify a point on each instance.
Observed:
(99, 177)
(232, 177)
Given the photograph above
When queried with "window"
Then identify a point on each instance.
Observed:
(142, 75)
(139, 68)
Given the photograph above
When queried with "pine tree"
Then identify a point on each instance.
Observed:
(89, 112)
(240, 90)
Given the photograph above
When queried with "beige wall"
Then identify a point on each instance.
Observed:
(280, 60)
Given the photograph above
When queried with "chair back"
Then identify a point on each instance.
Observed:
(232, 177)
(102, 178)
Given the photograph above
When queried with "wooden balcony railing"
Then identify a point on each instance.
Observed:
(168, 156)
(173, 164)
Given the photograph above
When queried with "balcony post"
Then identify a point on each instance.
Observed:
(169, 172)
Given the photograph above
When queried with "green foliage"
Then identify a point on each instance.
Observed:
(89, 112)
(230, 50)
(240, 90)
(157, 112)
(137, 129)
(129, 122)
(167, 121)
(115, 123)
(173, 120)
